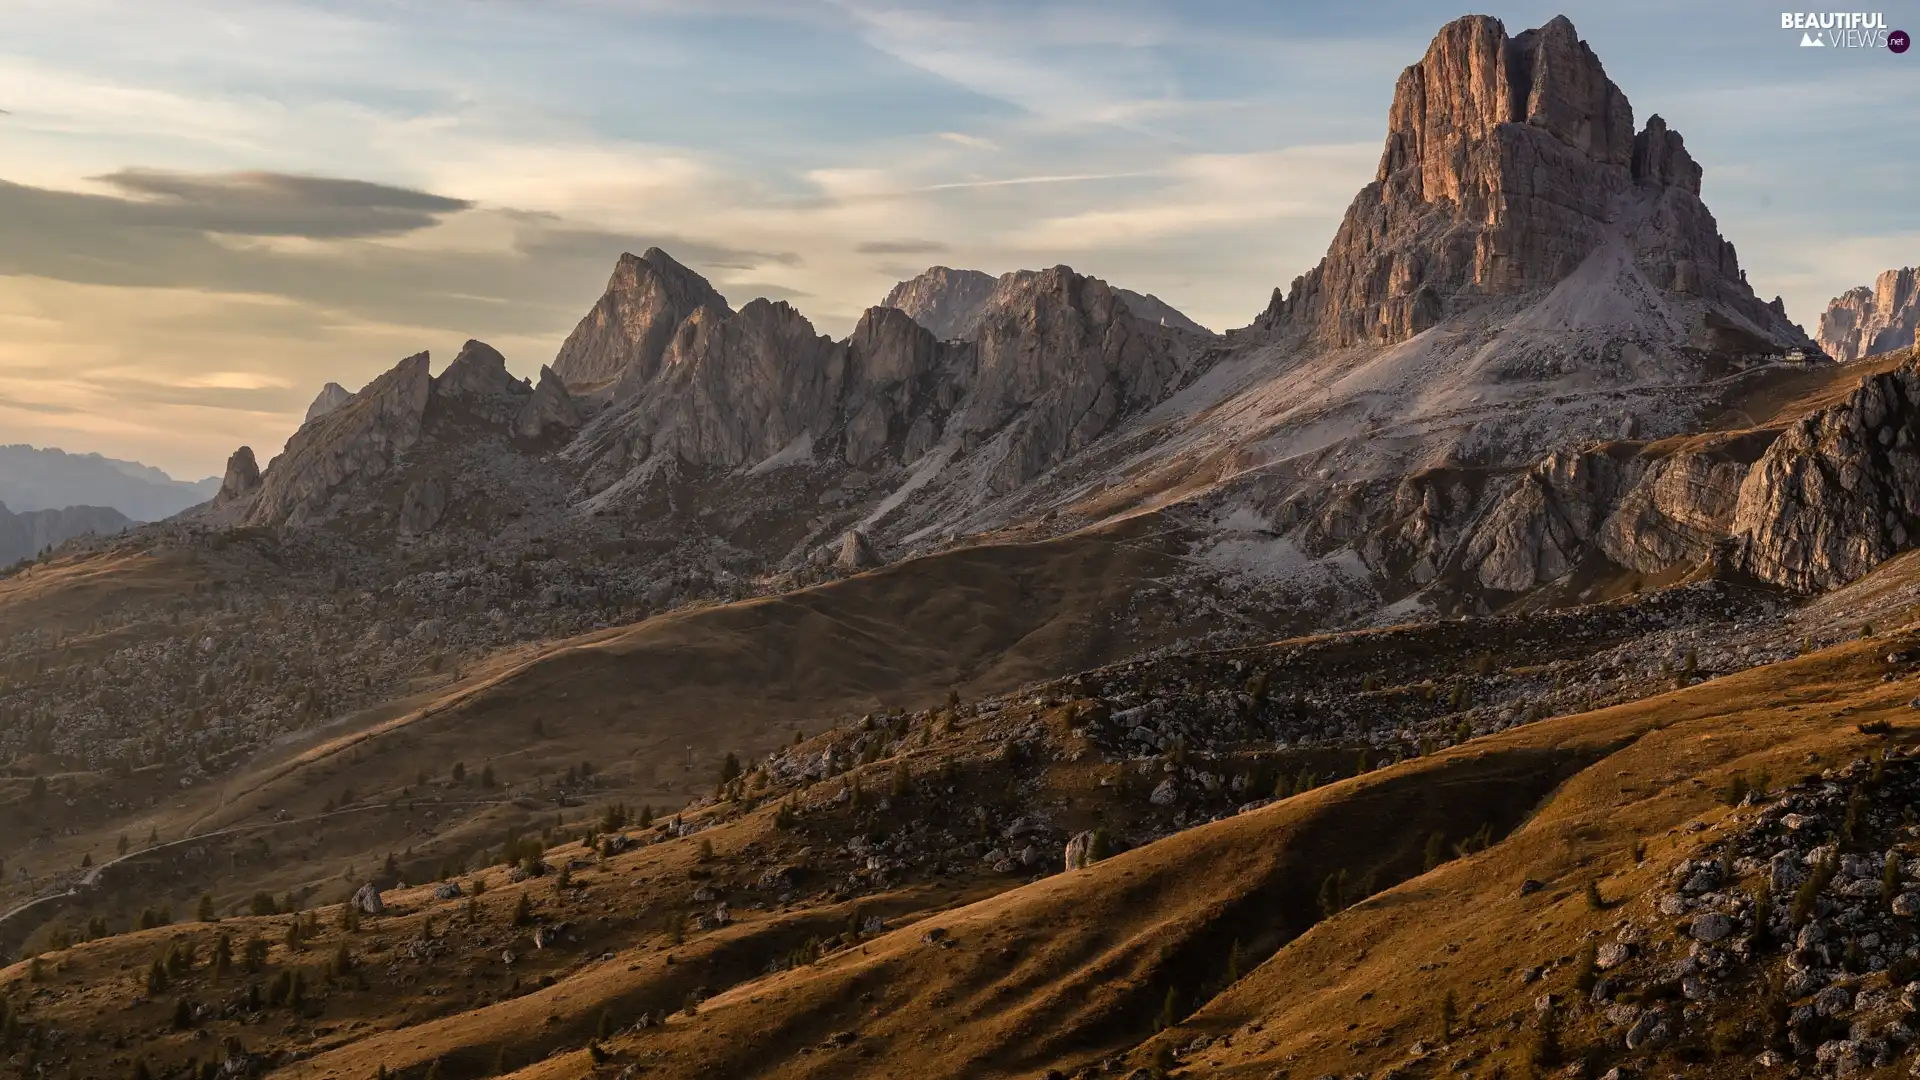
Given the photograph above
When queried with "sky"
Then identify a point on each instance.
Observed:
(211, 208)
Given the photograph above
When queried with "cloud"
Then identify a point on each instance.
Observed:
(1204, 193)
(972, 142)
(276, 204)
(902, 247)
(241, 204)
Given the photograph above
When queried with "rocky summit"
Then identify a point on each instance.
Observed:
(1862, 321)
(1500, 658)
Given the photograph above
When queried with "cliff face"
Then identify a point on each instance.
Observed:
(1862, 321)
(947, 302)
(331, 397)
(1054, 360)
(25, 535)
(628, 331)
(1839, 491)
(1508, 163)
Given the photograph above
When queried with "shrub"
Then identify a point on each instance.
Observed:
(1808, 895)
(1586, 969)
(1874, 727)
(1332, 891)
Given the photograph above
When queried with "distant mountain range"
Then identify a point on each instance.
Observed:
(32, 478)
(27, 534)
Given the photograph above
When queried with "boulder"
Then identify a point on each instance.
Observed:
(368, 901)
(856, 553)
(1080, 851)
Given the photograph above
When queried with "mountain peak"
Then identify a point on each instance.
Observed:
(1864, 321)
(950, 303)
(627, 331)
(1509, 162)
(331, 397)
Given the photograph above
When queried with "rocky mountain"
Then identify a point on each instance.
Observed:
(1862, 321)
(32, 478)
(1498, 660)
(951, 303)
(1511, 164)
(24, 535)
(331, 397)
(348, 450)
(1470, 399)
(625, 335)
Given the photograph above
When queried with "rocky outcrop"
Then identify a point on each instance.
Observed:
(1682, 504)
(730, 391)
(331, 397)
(242, 478)
(550, 412)
(1057, 360)
(479, 374)
(946, 301)
(27, 534)
(951, 303)
(1060, 360)
(856, 553)
(1648, 508)
(1839, 491)
(628, 331)
(902, 384)
(361, 439)
(1508, 163)
(1862, 321)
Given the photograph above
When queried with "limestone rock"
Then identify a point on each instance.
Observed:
(423, 504)
(951, 303)
(478, 373)
(1862, 321)
(1061, 359)
(1057, 361)
(27, 534)
(1508, 163)
(856, 553)
(947, 302)
(331, 397)
(243, 476)
(1080, 851)
(367, 900)
(1710, 926)
(549, 412)
(361, 439)
(901, 382)
(628, 331)
(1839, 491)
